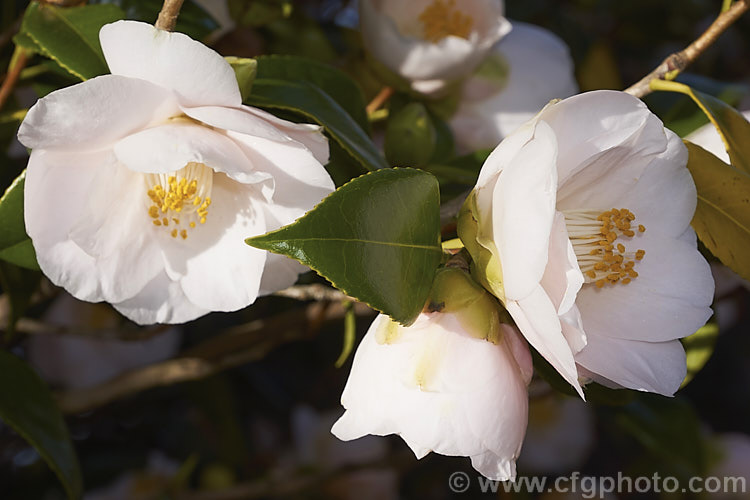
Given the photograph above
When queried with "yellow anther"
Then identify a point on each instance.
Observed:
(600, 283)
(641, 228)
(621, 248)
(184, 192)
(640, 254)
(442, 19)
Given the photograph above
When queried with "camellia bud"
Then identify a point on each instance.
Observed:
(410, 137)
(455, 292)
(485, 268)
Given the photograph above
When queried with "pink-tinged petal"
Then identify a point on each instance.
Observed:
(441, 390)
(93, 114)
(669, 299)
(658, 367)
(520, 350)
(161, 301)
(536, 318)
(198, 75)
(601, 127)
(55, 198)
(300, 181)
(114, 219)
(523, 210)
(217, 270)
(168, 148)
(491, 110)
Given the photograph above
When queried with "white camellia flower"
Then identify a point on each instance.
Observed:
(528, 68)
(431, 42)
(142, 185)
(453, 383)
(580, 224)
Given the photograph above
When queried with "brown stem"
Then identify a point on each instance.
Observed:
(677, 62)
(19, 61)
(168, 15)
(380, 99)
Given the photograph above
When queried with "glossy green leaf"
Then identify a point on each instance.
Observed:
(314, 103)
(70, 36)
(334, 82)
(699, 347)
(15, 245)
(376, 238)
(733, 128)
(410, 136)
(27, 406)
(722, 216)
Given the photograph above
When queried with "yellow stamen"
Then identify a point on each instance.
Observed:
(596, 236)
(442, 19)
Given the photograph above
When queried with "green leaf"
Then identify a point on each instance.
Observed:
(376, 238)
(312, 102)
(733, 128)
(27, 406)
(245, 71)
(722, 216)
(678, 111)
(70, 36)
(15, 245)
(334, 82)
(410, 136)
(699, 347)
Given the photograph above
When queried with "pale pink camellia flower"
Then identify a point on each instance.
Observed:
(431, 42)
(525, 70)
(444, 384)
(580, 224)
(142, 185)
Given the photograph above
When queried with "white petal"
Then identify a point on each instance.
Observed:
(523, 210)
(562, 277)
(55, 198)
(392, 33)
(440, 390)
(669, 299)
(116, 230)
(94, 113)
(168, 148)
(220, 272)
(161, 301)
(664, 198)
(280, 271)
(604, 121)
(540, 69)
(645, 366)
(537, 319)
(197, 74)
(300, 181)
(308, 134)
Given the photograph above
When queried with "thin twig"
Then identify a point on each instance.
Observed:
(168, 15)
(18, 61)
(234, 347)
(677, 62)
(379, 100)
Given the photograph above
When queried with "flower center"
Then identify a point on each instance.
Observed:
(180, 200)
(599, 240)
(441, 19)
